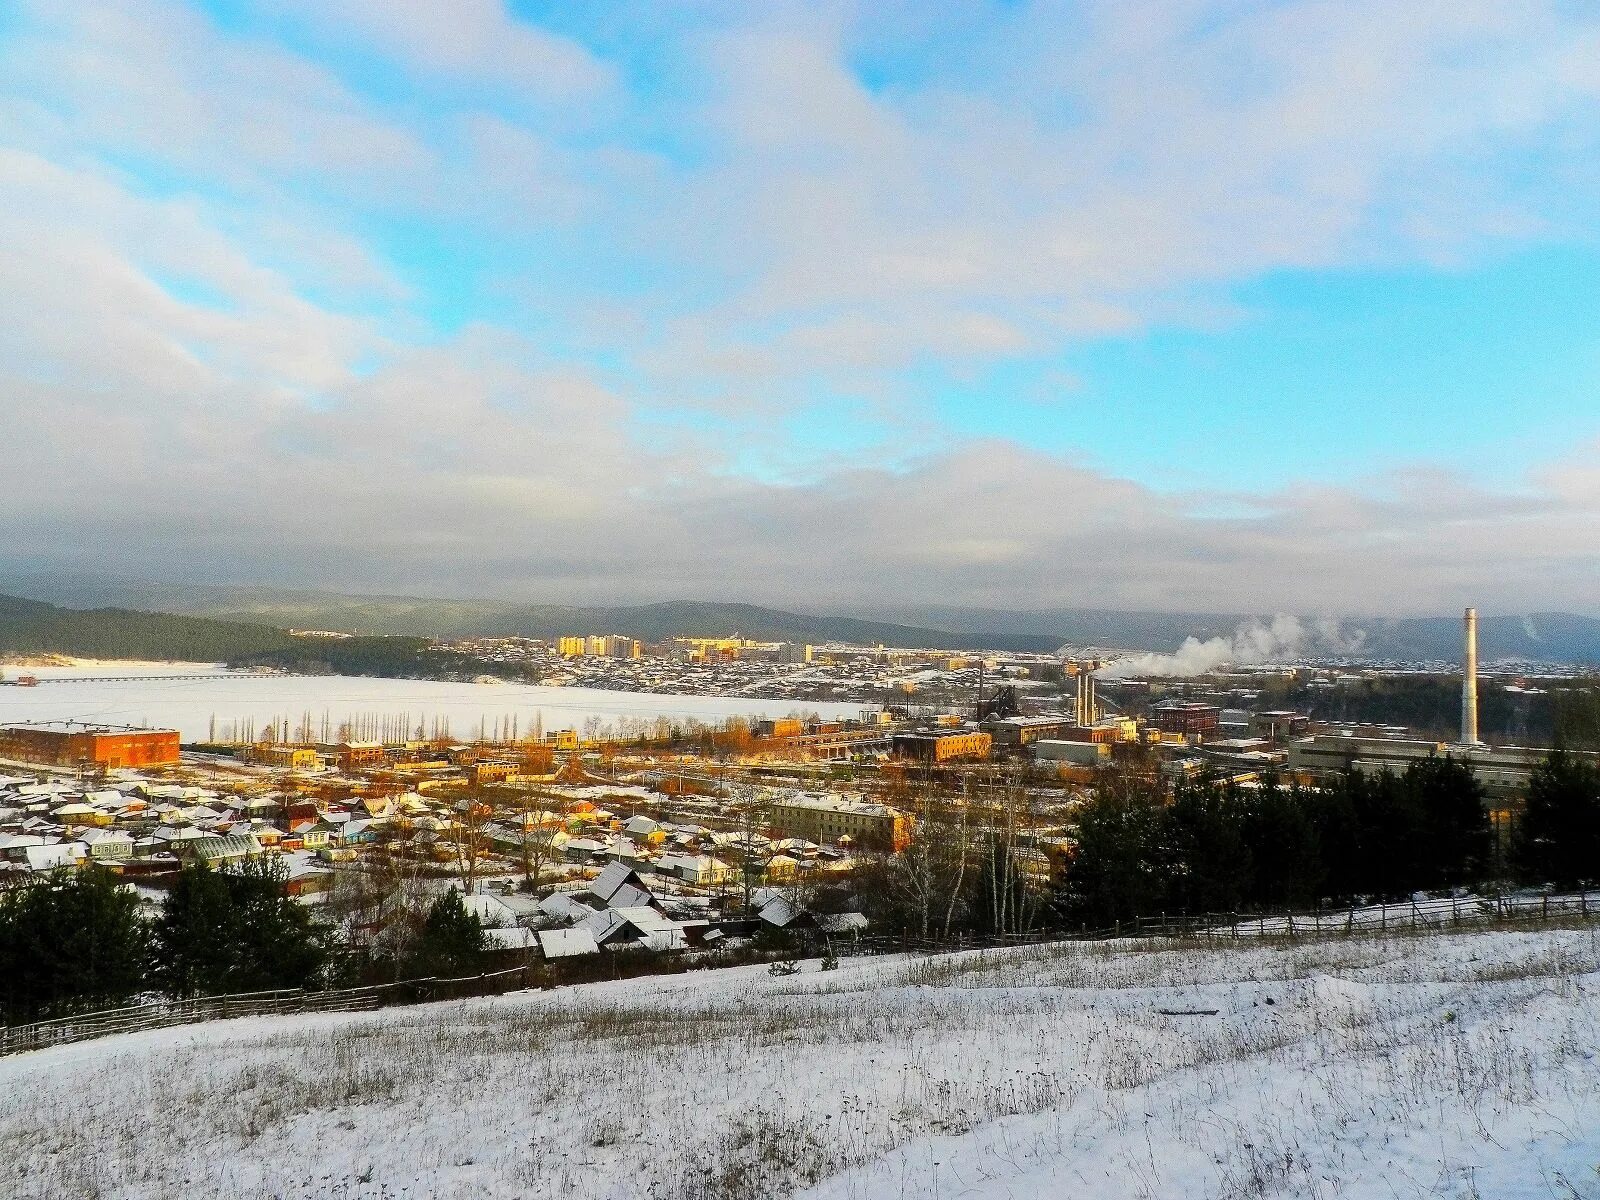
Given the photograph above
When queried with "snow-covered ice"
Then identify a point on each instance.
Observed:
(1452, 1065)
(188, 704)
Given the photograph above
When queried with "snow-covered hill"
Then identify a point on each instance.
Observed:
(1454, 1066)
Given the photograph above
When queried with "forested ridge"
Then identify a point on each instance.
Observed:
(32, 627)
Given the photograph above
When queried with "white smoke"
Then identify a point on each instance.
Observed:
(1253, 643)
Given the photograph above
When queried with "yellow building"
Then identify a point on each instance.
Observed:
(828, 818)
(572, 647)
(290, 758)
(943, 747)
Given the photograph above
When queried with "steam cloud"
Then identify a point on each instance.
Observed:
(1252, 643)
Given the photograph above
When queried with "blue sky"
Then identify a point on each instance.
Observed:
(748, 299)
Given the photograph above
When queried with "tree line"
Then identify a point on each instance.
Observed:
(1564, 713)
(77, 940)
(1219, 848)
(1139, 849)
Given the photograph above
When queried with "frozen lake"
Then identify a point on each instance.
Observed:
(233, 698)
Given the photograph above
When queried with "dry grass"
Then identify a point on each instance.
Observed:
(724, 1090)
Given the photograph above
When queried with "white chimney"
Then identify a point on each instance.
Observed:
(1469, 680)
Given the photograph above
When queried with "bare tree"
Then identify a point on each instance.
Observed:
(543, 818)
(928, 875)
(467, 837)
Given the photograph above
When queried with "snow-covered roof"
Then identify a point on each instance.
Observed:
(511, 937)
(46, 858)
(565, 906)
(489, 909)
(567, 943)
(847, 922)
(605, 925)
(619, 886)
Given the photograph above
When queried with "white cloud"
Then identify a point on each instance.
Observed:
(183, 392)
(472, 39)
(157, 80)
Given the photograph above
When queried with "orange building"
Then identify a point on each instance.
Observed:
(73, 743)
(942, 747)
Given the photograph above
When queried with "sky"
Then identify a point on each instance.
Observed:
(1230, 305)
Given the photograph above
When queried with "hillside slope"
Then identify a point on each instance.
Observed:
(1538, 637)
(424, 617)
(1455, 1065)
(31, 627)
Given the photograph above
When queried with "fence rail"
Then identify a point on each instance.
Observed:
(161, 1014)
(1432, 915)
(1412, 915)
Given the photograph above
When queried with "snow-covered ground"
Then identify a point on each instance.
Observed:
(188, 704)
(1442, 1066)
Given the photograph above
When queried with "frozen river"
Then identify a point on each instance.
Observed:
(234, 698)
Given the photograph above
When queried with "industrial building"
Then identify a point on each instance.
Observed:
(1107, 730)
(1279, 724)
(830, 818)
(1023, 731)
(1187, 717)
(74, 743)
(1501, 770)
(286, 758)
(942, 747)
(1077, 753)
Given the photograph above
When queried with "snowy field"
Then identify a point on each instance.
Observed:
(189, 703)
(1378, 1067)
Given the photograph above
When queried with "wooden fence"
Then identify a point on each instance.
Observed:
(161, 1014)
(1412, 915)
(1421, 915)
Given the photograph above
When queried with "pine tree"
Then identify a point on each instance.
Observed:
(1558, 839)
(70, 942)
(452, 941)
(235, 930)
(194, 949)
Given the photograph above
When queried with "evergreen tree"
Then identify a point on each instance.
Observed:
(71, 942)
(278, 945)
(1208, 864)
(194, 948)
(1558, 839)
(1285, 848)
(1453, 838)
(1116, 871)
(452, 941)
(235, 930)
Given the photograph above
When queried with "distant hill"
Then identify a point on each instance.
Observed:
(1547, 637)
(422, 617)
(1543, 637)
(32, 627)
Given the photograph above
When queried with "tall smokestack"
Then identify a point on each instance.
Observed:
(1469, 679)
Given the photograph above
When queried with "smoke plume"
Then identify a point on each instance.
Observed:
(1254, 642)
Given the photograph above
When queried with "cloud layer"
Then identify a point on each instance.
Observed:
(425, 297)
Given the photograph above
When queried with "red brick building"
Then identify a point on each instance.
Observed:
(1185, 717)
(71, 743)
